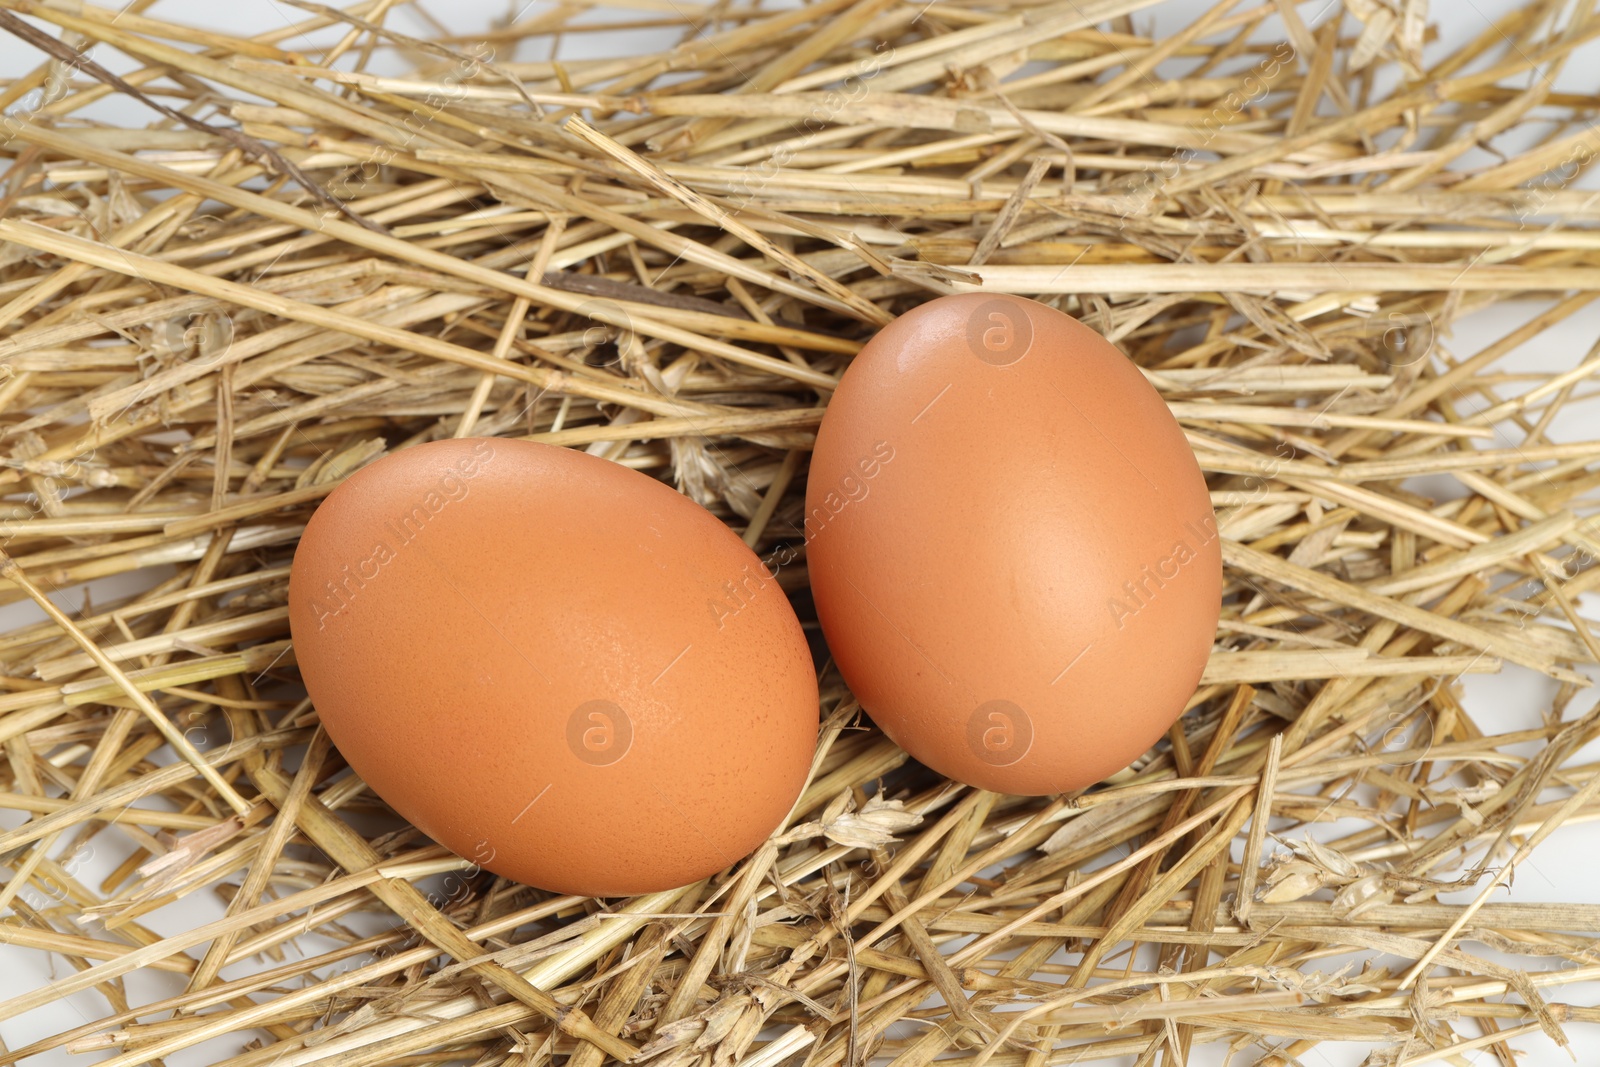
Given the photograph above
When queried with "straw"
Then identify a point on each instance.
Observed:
(668, 258)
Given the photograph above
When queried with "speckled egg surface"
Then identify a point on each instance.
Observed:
(1012, 549)
(533, 655)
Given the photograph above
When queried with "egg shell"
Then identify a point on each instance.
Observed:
(557, 667)
(1012, 549)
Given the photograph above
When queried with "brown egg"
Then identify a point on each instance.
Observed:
(557, 667)
(1012, 548)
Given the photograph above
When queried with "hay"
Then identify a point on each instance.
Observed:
(668, 259)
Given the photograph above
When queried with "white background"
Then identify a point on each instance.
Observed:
(1566, 868)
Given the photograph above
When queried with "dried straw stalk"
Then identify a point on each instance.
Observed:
(667, 259)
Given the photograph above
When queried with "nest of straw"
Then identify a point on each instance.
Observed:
(299, 264)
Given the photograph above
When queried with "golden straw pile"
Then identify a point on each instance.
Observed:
(668, 259)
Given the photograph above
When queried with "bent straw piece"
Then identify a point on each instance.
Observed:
(1572, 804)
(352, 852)
(1277, 277)
(174, 736)
(357, 235)
(1313, 413)
(1317, 584)
(142, 267)
(722, 218)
